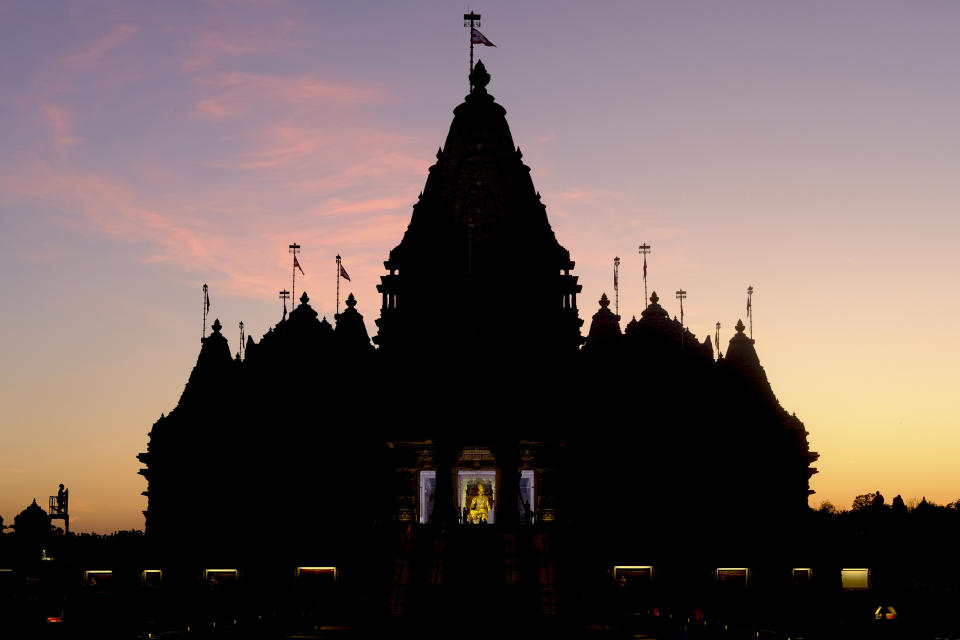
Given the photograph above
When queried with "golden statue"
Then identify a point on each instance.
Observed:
(479, 506)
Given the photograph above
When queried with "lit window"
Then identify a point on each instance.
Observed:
(633, 575)
(151, 577)
(528, 503)
(855, 579)
(219, 577)
(733, 578)
(98, 578)
(316, 577)
(428, 490)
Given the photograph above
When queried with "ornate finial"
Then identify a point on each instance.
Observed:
(216, 326)
(740, 327)
(604, 301)
(480, 78)
(654, 299)
(351, 301)
(304, 299)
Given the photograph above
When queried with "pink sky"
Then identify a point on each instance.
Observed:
(807, 149)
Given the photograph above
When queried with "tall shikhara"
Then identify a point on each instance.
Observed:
(479, 247)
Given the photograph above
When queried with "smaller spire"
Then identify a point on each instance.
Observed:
(351, 301)
(654, 299)
(304, 299)
(216, 326)
(604, 301)
(740, 326)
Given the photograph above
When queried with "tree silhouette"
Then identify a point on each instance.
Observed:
(868, 501)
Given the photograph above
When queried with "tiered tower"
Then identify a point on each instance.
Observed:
(480, 247)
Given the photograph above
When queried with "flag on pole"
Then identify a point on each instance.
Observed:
(206, 302)
(344, 274)
(644, 267)
(296, 263)
(478, 38)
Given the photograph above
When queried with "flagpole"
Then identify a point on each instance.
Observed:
(294, 249)
(471, 19)
(616, 285)
(750, 309)
(206, 307)
(681, 294)
(644, 250)
(338, 287)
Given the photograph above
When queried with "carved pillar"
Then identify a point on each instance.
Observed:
(445, 506)
(507, 456)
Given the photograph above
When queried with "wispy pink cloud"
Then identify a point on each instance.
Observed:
(387, 167)
(241, 92)
(211, 108)
(90, 56)
(338, 207)
(584, 194)
(60, 121)
(282, 144)
(112, 208)
(213, 45)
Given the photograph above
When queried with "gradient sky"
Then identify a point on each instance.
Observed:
(810, 149)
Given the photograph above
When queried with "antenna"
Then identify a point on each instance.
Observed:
(644, 251)
(241, 339)
(750, 309)
(718, 340)
(283, 296)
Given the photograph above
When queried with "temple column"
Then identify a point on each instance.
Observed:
(444, 506)
(508, 461)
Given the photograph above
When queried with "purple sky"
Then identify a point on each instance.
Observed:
(808, 149)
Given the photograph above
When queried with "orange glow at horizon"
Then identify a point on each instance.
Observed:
(150, 149)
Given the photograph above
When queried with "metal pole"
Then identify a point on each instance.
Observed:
(616, 285)
(338, 287)
(294, 249)
(644, 250)
(471, 19)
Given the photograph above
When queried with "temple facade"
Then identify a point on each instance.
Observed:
(479, 443)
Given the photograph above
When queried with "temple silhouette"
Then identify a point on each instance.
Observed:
(479, 447)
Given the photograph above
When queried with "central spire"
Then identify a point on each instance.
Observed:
(479, 236)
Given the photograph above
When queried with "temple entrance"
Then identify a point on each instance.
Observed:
(476, 491)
